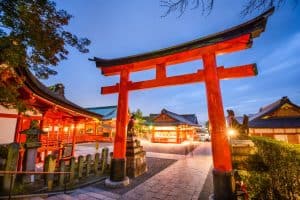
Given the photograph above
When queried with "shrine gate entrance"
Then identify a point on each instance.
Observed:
(207, 48)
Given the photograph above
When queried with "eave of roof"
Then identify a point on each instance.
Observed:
(275, 123)
(253, 27)
(108, 112)
(179, 119)
(42, 91)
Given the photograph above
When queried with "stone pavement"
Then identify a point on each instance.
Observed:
(182, 180)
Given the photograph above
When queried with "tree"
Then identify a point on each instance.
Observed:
(32, 35)
(139, 123)
(206, 6)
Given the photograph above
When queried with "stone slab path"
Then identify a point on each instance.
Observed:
(183, 180)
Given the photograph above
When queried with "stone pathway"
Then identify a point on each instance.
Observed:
(183, 180)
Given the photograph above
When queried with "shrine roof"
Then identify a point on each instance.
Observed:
(39, 89)
(253, 27)
(189, 119)
(261, 119)
(108, 112)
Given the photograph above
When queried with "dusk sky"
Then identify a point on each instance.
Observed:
(123, 28)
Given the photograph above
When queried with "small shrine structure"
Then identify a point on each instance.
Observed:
(206, 49)
(279, 120)
(170, 127)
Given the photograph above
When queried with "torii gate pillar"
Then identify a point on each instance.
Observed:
(118, 176)
(222, 173)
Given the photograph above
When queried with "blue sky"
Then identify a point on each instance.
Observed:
(123, 28)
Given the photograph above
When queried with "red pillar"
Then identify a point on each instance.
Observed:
(18, 127)
(74, 137)
(122, 117)
(222, 173)
(118, 165)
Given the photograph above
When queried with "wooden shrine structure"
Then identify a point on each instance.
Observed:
(170, 127)
(62, 122)
(279, 120)
(206, 48)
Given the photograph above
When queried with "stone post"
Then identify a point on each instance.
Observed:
(80, 166)
(88, 164)
(61, 176)
(11, 165)
(103, 162)
(49, 166)
(72, 169)
(96, 164)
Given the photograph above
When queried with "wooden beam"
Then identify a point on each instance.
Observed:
(161, 71)
(223, 73)
(236, 44)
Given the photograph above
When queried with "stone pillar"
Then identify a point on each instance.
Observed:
(96, 164)
(103, 161)
(80, 166)
(222, 173)
(72, 169)
(29, 164)
(49, 166)
(62, 176)
(88, 162)
(11, 165)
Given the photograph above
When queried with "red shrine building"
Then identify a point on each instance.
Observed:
(64, 123)
(170, 127)
(279, 120)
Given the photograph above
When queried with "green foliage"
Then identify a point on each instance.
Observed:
(139, 123)
(32, 35)
(274, 171)
(3, 151)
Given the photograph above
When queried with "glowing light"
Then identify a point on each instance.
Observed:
(55, 128)
(231, 132)
(66, 129)
(165, 128)
(46, 129)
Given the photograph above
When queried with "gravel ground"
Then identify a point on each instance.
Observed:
(155, 165)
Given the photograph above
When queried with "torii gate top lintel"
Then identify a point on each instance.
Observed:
(227, 41)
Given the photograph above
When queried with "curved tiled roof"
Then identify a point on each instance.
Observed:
(257, 121)
(189, 119)
(39, 89)
(108, 112)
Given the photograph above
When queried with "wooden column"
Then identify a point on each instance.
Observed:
(161, 71)
(177, 134)
(118, 163)
(74, 137)
(222, 174)
(18, 127)
(122, 117)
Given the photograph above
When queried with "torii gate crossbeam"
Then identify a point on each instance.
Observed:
(207, 48)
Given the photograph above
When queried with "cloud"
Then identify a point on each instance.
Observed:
(242, 88)
(284, 57)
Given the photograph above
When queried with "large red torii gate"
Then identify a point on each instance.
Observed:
(206, 48)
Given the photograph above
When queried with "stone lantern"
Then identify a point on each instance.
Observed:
(31, 146)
